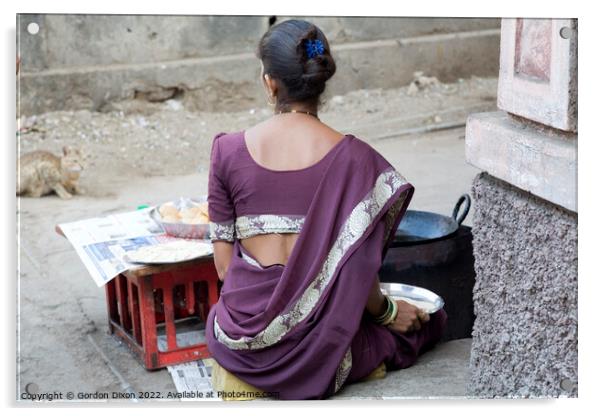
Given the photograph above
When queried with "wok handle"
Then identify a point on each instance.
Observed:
(461, 200)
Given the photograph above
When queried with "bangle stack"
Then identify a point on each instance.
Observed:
(389, 315)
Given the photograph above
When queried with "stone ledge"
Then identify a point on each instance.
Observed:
(541, 161)
(231, 82)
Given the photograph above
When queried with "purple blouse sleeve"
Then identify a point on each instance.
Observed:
(221, 209)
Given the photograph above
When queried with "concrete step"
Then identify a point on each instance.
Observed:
(231, 82)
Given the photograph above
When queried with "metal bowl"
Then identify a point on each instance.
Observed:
(423, 298)
(181, 230)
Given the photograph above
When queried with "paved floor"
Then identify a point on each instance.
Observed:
(441, 372)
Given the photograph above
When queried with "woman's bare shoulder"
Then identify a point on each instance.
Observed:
(333, 135)
(258, 129)
(269, 126)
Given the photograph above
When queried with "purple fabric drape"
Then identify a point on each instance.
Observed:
(289, 329)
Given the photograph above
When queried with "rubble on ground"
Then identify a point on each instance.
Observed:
(141, 138)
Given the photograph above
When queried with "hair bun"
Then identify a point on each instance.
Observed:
(318, 66)
(297, 53)
(319, 69)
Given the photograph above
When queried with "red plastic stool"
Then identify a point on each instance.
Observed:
(142, 300)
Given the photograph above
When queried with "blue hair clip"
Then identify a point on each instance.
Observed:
(314, 48)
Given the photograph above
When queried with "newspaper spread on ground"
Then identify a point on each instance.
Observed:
(101, 243)
(192, 379)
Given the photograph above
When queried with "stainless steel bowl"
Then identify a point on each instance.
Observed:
(178, 229)
(423, 298)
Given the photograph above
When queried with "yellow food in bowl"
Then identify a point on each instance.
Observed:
(198, 214)
(169, 209)
(204, 207)
(190, 213)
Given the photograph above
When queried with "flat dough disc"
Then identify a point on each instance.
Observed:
(172, 252)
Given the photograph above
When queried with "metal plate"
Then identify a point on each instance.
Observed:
(172, 252)
(423, 298)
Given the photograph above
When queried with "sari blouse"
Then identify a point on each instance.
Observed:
(247, 199)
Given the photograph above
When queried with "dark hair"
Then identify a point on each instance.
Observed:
(282, 49)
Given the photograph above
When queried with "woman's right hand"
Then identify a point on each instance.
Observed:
(409, 318)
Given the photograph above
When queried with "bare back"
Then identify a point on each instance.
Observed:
(285, 143)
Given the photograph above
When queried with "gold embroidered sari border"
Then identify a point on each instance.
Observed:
(221, 231)
(362, 216)
(250, 225)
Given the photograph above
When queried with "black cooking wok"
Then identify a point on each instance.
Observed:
(418, 227)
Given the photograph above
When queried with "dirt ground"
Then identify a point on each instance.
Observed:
(149, 153)
(142, 139)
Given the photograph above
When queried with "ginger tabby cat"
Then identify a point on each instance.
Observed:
(42, 173)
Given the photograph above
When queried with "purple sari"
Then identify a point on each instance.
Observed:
(295, 329)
